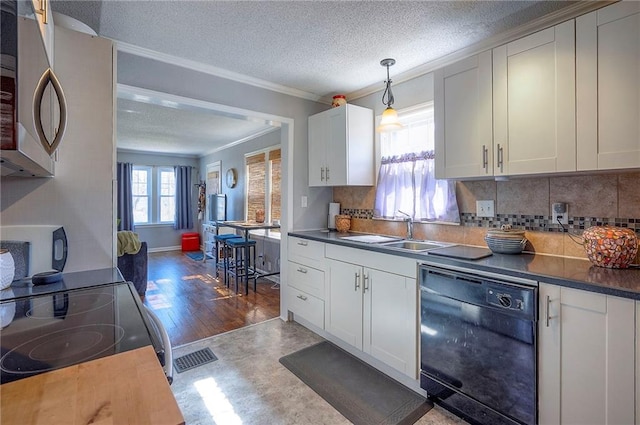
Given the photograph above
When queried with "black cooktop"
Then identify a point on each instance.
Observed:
(50, 331)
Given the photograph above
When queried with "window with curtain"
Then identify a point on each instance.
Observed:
(263, 170)
(406, 179)
(154, 192)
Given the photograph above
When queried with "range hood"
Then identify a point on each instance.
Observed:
(28, 159)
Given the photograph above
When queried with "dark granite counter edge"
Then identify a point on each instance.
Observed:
(73, 280)
(569, 272)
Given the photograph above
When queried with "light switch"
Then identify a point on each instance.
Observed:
(303, 203)
(485, 209)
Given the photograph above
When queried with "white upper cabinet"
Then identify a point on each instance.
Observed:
(341, 147)
(509, 111)
(534, 121)
(463, 118)
(608, 87)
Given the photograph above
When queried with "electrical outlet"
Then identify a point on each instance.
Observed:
(485, 209)
(560, 212)
(303, 202)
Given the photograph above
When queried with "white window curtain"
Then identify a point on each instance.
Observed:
(406, 180)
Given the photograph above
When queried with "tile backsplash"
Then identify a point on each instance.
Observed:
(525, 203)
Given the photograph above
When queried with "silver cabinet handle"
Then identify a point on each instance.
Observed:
(302, 297)
(548, 312)
(49, 77)
(500, 156)
(302, 270)
(485, 157)
(366, 282)
(327, 174)
(322, 174)
(303, 243)
(357, 282)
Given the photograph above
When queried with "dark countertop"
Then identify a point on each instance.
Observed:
(73, 280)
(562, 271)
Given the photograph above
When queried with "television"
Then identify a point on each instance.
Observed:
(217, 207)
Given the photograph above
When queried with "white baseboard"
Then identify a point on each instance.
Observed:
(165, 248)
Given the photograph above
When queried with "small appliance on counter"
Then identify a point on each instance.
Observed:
(334, 210)
(38, 251)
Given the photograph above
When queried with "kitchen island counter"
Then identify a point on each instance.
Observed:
(563, 271)
(129, 387)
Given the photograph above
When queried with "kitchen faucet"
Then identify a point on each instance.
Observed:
(409, 221)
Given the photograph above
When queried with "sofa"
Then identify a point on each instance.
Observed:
(134, 269)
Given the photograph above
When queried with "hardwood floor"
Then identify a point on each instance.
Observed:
(193, 305)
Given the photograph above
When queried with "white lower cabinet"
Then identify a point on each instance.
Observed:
(375, 311)
(586, 360)
(306, 280)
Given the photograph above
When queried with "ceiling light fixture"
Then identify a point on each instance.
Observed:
(389, 121)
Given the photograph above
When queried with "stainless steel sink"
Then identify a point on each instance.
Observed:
(416, 245)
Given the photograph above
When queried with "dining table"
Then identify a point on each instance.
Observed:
(246, 227)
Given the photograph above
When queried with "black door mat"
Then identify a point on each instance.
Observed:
(359, 392)
(195, 359)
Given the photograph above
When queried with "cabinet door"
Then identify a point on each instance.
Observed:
(390, 320)
(463, 118)
(587, 357)
(549, 354)
(608, 87)
(318, 134)
(343, 310)
(336, 149)
(534, 103)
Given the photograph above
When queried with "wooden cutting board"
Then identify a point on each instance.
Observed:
(126, 388)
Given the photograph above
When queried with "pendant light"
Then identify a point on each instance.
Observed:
(389, 121)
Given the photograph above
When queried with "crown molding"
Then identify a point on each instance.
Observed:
(212, 70)
(240, 141)
(168, 154)
(557, 17)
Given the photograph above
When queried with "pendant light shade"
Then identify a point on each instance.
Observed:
(389, 121)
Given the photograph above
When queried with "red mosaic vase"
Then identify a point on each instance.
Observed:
(610, 247)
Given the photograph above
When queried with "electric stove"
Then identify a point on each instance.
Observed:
(45, 332)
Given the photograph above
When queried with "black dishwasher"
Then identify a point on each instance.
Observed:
(478, 345)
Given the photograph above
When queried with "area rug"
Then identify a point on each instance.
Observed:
(196, 255)
(361, 393)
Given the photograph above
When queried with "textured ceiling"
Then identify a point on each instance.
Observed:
(317, 47)
(192, 132)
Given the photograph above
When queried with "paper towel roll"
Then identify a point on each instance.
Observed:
(334, 209)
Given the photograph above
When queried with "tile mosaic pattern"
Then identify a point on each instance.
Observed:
(544, 223)
(536, 223)
(357, 212)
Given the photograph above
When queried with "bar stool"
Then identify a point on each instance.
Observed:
(244, 254)
(221, 241)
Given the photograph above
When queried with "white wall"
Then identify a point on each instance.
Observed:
(161, 237)
(80, 196)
